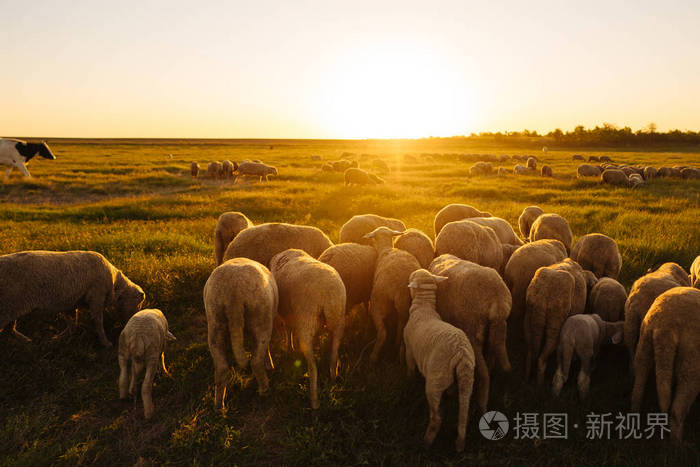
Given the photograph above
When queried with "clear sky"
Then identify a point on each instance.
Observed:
(344, 69)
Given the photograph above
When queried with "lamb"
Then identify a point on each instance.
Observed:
(440, 351)
(194, 169)
(262, 242)
(607, 299)
(358, 226)
(599, 254)
(418, 244)
(614, 177)
(255, 169)
(555, 293)
(695, 273)
(588, 170)
(455, 212)
(357, 176)
(15, 153)
(546, 171)
(531, 163)
(523, 264)
(583, 335)
(650, 173)
(142, 343)
(670, 341)
(239, 294)
(551, 226)
(214, 170)
(476, 300)
(526, 219)
(643, 293)
(58, 282)
(503, 229)
(308, 291)
(228, 226)
(472, 242)
(390, 294)
(356, 264)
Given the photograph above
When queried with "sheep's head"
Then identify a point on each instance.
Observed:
(128, 296)
(381, 236)
(422, 279)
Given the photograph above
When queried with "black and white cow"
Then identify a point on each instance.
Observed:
(16, 153)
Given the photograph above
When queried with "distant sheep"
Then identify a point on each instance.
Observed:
(578, 157)
(455, 212)
(599, 254)
(255, 169)
(227, 169)
(342, 165)
(228, 226)
(593, 159)
(614, 177)
(650, 173)
(194, 169)
(690, 173)
(357, 176)
(481, 168)
(531, 163)
(214, 170)
(15, 153)
(522, 170)
(418, 244)
(587, 170)
(358, 226)
(502, 172)
(669, 172)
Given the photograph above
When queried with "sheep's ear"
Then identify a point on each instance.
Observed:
(369, 235)
(413, 285)
(617, 338)
(439, 279)
(395, 233)
(169, 336)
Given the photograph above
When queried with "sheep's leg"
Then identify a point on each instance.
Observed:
(631, 334)
(216, 337)
(261, 356)
(19, 334)
(687, 390)
(565, 353)
(136, 368)
(433, 394)
(336, 324)
(235, 329)
(483, 380)
(401, 320)
(123, 376)
(410, 362)
(553, 329)
(584, 376)
(147, 388)
(306, 345)
(378, 319)
(465, 382)
(642, 367)
(665, 346)
(96, 311)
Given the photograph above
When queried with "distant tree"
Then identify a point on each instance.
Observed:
(651, 127)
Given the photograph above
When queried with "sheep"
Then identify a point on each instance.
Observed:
(669, 172)
(476, 300)
(262, 242)
(650, 173)
(583, 335)
(472, 242)
(142, 343)
(593, 159)
(690, 173)
(635, 180)
(605, 159)
(441, 352)
(481, 168)
(342, 165)
(214, 170)
(194, 169)
(519, 169)
(255, 169)
(578, 157)
(546, 171)
(228, 226)
(527, 217)
(227, 169)
(356, 264)
(588, 170)
(531, 163)
(358, 226)
(502, 172)
(58, 282)
(418, 244)
(316, 158)
(357, 176)
(555, 293)
(17, 153)
(607, 298)
(380, 165)
(390, 295)
(643, 293)
(327, 167)
(599, 254)
(523, 264)
(628, 170)
(239, 294)
(308, 291)
(695, 273)
(455, 212)
(551, 226)
(670, 341)
(503, 229)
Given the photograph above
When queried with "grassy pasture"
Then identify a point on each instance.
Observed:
(140, 208)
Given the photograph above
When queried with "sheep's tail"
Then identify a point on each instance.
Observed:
(665, 349)
(465, 382)
(137, 346)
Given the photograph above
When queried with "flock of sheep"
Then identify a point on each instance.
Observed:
(445, 306)
(630, 176)
(232, 170)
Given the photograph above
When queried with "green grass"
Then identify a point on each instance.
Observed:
(131, 202)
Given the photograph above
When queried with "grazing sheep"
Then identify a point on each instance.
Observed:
(526, 219)
(635, 180)
(441, 352)
(503, 229)
(695, 273)
(599, 254)
(341, 165)
(357, 176)
(471, 241)
(531, 163)
(418, 244)
(502, 172)
(614, 177)
(551, 226)
(255, 169)
(227, 168)
(522, 170)
(555, 293)
(628, 170)
(605, 159)
(650, 173)
(477, 301)
(239, 295)
(583, 335)
(355, 263)
(380, 165)
(142, 343)
(455, 212)
(228, 226)
(308, 291)
(262, 242)
(643, 293)
(578, 157)
(593, 159)
(214, 170)
(16, 154)
(194, 169)
(669, 172)
(390, 295)
(588, 170)
(523, 264)
(327, 167)
(670, 341)
(607, 298)
(358, 226)
(690, 173)
(481, 168)
(546, 171)
(53, 282)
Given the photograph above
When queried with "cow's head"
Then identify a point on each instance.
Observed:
(45, 151)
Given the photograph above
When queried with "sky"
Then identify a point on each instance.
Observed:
(332, 69)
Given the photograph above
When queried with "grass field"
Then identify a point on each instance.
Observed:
(129, 201)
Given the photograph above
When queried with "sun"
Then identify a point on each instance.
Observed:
(395, 91)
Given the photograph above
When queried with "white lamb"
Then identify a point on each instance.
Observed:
(440, 351)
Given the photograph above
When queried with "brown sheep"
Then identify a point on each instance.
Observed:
(552, 226)
(194, 169)
(228, 226)
(455, 212)
(607, 299)
(358, 226)
(546, 171)
(527, 217)
(599, 254)
(588, 170)
(615, 177)
(470, 241)
(356, 176)
(418, 244)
